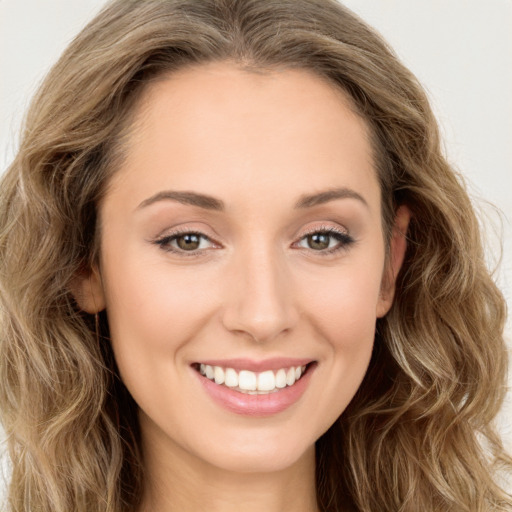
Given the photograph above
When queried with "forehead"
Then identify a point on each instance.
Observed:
(217, 129)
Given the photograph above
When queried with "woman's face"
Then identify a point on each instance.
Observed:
(243, 232)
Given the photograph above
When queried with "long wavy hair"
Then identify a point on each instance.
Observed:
(418, 435)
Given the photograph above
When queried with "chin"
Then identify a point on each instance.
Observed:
(259, 456)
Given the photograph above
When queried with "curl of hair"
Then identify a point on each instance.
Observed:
(419, 433)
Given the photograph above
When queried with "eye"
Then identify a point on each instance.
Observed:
(184, 242)
(325, 240)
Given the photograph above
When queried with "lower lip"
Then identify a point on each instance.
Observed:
(256, 405)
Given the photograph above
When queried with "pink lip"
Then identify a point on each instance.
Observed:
(275, 363)
(256, 405)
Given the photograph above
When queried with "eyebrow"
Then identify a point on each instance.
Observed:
(190, 198)
(211, 203)
(308, 201)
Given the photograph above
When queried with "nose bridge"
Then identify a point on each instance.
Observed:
(260, 298)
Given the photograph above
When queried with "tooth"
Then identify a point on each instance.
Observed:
(281, 378)
(290, 377)
(230, 378)
(266, 381)
(247, 380)
(298, 372)
(209, 372)
(202, 369)
(218, 373)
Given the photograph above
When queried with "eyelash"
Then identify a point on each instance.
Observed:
(165, 241)
(343, 238)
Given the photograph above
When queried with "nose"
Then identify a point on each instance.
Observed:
(259, 300)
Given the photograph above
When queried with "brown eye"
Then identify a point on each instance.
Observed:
(181, 243)
(188, 242)
(326, 241)
(318, 241)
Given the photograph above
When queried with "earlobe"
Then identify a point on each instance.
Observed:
(397, 248)
(87, 290)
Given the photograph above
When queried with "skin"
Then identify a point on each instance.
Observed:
(255, 288)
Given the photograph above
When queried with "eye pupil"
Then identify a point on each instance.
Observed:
(188, 242)
(318, 241)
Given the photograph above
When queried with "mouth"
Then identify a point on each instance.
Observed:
(251, 382)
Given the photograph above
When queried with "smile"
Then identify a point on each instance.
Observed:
(252, 388)
(247, 381)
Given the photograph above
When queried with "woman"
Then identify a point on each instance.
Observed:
(237, 272)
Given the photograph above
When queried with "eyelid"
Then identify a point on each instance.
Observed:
(345, 241)
(324, 228)
(164, 240)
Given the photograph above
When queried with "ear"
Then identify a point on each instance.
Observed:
(397, 247)
(87, 288)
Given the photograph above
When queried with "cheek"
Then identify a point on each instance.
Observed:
(153, 313)
(139, 305)
(342, 309)
(343, 304)
(346, 319)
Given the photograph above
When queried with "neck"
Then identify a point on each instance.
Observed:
(177, 480)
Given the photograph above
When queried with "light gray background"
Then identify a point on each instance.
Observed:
(461, 50)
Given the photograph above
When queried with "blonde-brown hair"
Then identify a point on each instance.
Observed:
(418, 435)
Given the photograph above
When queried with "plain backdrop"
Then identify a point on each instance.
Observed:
(461, 50)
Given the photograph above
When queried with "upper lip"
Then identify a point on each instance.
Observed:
(275, 363)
